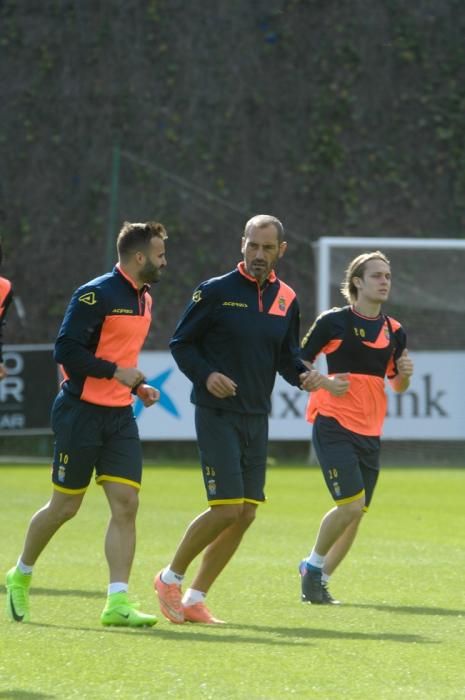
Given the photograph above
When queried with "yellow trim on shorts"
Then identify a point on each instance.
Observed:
(350, 499)
(251, 500)
(72, 492)
(234, 501)
(225, 502)
(116, 480)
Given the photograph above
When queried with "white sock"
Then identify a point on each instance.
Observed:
(169, 577)
(117, 587)
(191, 597)
(325, 578)
(316, 559)
(24, 568)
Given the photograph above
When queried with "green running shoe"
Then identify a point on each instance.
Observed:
(17, 595)
(119, 612)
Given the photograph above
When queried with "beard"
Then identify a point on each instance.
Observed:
(150, 273)
(260, 269)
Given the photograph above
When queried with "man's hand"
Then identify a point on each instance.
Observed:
(338, 384)
(220, 385)
(311, 380)
(401, 381)
(129, 376)
(148, 394)
(405, 365)
(3, 372)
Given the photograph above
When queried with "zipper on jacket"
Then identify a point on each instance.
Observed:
(260, 294)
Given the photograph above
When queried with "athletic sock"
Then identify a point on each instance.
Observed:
(117, 587)
(24, 568)
(169, 577)
(315, 560)
(192, 596)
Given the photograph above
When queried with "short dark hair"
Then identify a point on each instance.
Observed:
(356, 268)
(135, 236)
(262, 220)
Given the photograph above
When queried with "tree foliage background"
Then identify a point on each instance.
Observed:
(341, 117)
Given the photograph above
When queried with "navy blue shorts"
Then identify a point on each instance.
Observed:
(233, 452)
(88, 437)
(349, 461)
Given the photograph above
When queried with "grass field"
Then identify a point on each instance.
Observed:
(399, 633)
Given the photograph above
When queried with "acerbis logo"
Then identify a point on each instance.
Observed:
(165, 401)
(88, 298)
(240, 304)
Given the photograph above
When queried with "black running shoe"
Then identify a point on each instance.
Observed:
(327, 597)
(313, 590)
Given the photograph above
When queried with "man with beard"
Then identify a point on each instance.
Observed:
(98, 345)
(239, 330)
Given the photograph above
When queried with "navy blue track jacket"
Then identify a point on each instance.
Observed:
(105, 326)
(247, 333)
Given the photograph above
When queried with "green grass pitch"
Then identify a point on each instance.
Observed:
(398, 635)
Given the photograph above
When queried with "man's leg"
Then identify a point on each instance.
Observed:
(120, 546)
(217, 554)
(252, 436)
(44, 524)
(335, 523)
(120, 538)
(225, 440)
(220, 551)
(341, 547)
(337, 450)
(335, 537)
(204, 530)
(220, 447)
(47, 521)
(253, 432)
(119, 472)
(370, 471)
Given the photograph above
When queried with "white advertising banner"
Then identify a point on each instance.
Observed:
(432, 409)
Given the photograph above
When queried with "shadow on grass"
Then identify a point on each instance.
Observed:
(402, 609)
(187, 633)
(63, 592)
(269, 635)
(73, 592)
(408, 609)
(316, 633)
(24, 694)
